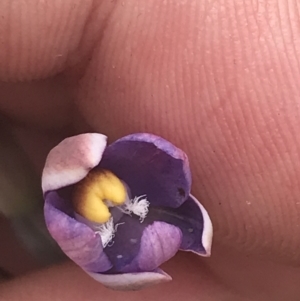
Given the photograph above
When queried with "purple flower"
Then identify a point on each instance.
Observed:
(141, 184)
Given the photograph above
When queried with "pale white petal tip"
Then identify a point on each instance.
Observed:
(207, 234)
(71, 160)
(131, 281)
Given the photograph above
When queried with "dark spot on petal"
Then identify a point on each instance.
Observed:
(181, 192)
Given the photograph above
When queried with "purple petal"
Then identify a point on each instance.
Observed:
(193, 221)
(150, 165)
(126, 243)
(71, 160)
(77, 240)
(160, 242)
(197, 238)
(132, 281)
(207, 234)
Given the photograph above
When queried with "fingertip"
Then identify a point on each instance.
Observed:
(37, 37)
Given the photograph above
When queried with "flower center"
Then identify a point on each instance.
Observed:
(96, 193)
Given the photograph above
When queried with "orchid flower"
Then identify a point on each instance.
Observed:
(120, 211)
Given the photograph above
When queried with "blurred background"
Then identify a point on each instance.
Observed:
(25, 244)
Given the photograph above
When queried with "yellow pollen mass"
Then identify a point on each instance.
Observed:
(91, 193)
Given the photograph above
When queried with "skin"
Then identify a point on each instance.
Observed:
(220, 79)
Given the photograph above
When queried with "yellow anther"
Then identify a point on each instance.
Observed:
(91, 193)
